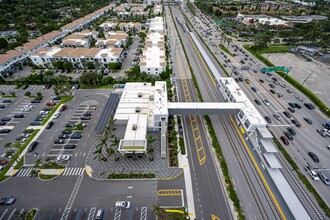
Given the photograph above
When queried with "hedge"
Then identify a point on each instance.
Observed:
(131, 175)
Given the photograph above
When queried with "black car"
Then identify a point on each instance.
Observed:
(32, 146)
(87, 114)
(268, 119)
(257, 101)
(69, 125)
(2, 106)
(296, 123)
(297, 105)
(261, 80)
(2, 123)
(70, 146)
(49, 125)
(240, 79)
(5, 130)
(309, 105)
(314, 157)
(19, 116)
(59, 141)
(25, 87)
(35, 123)
(35, 101)
(236, 79)
(288, 135)
(271, 85)
(292, 132)
(5, 119)
(291, 109)
(292, 105)
(6, 101)
(272, 91)
(57, 98)
(75, 136)
(63, 136)
(66, 132)
(7, 201)
(308, 121)
(253, 89)
(85, 118)
(287, 114)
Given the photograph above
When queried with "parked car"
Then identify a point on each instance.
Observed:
(309, 106)
(292, 105)
(35, 101)
(268, 119)
(312, 173)
(32, 146)
(314, 157)
(277, 116)
(279, 95)
(87, 114)
(324, 178)
(308, 121)
(63, 108)
(7, 101)
(49, 125)
(18, 116)
(57, 114)
(297, 105)
(69, 125)
(253, 89)
(2, 106)
(123, 204)
(271, 85)
(323, 133)
(289, 90)
(85, 118)
(247, 81)
(5, 119)
(288, 135)
(299, 98)
(266, 102)
(66, 132)
(75, 136)
(284, 140)
(261, 80)
(272, 91)
(7, 201)
(59, 141)
(63, 136)
(296, 123)
(2, 123)
(63, 158)
(3, 162)
(70, 146)
(35, 123)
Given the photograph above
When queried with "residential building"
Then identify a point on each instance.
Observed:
(155, 24)
(158, 9)
(113, 39)
(10, 62)
(6, 34)
(109, 26)
(75, 40)
(135, 27)
(46, 57)
(152, 2)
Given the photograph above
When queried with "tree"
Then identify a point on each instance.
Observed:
(261, 40)
(218, 13)
(9, 145)
(59, 64)
(98, 153)
(3, 43)
(13, 93)
(27, 93)
(39, 95)
(90, 65)
(67, 66)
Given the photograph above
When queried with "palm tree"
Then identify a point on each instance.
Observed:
(98, 153)
(109, 127)
(12, 152)
(115, 141)
(110, 151)
(150, 148)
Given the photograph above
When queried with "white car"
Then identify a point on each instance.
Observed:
(312, 173)
(63, 158)
(299, 98)
(123, 204)
(266, 102)
(57, 114)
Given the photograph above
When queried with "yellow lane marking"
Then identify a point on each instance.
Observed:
(258, 169)
(214, 217)
(169, 192)
(243, 141)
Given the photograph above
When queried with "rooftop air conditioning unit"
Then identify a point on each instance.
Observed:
(151, 98)
(134, 126)
(137, 109)
(140, 94)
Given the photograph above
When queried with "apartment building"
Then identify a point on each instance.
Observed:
(46, 57)
(113, 39)
(130, 26)
(152, 2)
(109, 26)
(158, 9)
(75, 40)
(155, 24)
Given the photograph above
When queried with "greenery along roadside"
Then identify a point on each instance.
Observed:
(225, 49)
(46, 177)
(303, 179)
(259, 56)
(32, 213)
(21, 149)
(229, 185)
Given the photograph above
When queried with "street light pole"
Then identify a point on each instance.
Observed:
(306, 79)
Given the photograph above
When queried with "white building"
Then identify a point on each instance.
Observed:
(113, 39)
(46, 57)
(142, 107)
(158, 9)
(152, 2)
(130, 26)
(261, 19)
(75, 40)
(155, 24)
(109, 26)
(304, 19)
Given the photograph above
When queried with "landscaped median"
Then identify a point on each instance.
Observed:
(225, 50)
(18, 155)
(64, 99)
(131, 176)
(32, 213)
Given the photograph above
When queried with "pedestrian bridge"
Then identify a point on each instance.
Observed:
(204, 108)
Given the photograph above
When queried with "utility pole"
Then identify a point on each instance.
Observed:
(306, 79)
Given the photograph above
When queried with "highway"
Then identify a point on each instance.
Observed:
(307, 139)
(309, 202)
(206, 180)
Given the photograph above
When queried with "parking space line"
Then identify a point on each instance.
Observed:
(3, 214)
(11, 214)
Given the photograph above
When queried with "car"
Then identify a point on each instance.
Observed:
(66, 132)
(271, 85)
(7, 101)
(2, 123)
(299, 98)
(21, 139)
(297, 105)
(253, 89)
(59, 141)
(7, 201)
(309, 106)
(277, 116)
(266, 102)
(57, 98)
(35, 123)
(63, 136)
(32, 146)
(3, 162)
(289, 90)
(324, 178)
(268, 119)
(18, 116)
(63, 108)
(5, 119)
(287, 114)
(75, 136)
(292, 105)
(38, 118)
(288, 135)
(296, 123)
(25, 87)
(87, 114)
(282, 84)
(240, 79)
(99, 214)
(26, 135)
(312, 173)
(85, 118)
(257, 101)
(291, 110)
(279, 95)
(69, 125)
(63, 158)
(314, 157)
(123, 204)
(308, 121)
(269, 73)
(292, 132)
(49, 125)
(35, 101)
(2, 106)
(323, 133)
(261, 80)
(236, 79)
(70, 146)
(76, 86)
(57, 114)
(247, 81)
(268, 80)
(44, 112)
(284, 140)
(272, 91)
(50, 103)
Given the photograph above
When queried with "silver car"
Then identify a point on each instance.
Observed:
(324, 178)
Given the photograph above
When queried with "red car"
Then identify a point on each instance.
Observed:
(285, 140)
(63, 108)
(50, 103)
(3, 162)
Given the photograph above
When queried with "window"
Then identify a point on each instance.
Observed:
(241, 114)
(104, 60)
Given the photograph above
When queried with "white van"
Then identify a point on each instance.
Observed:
(99, 214)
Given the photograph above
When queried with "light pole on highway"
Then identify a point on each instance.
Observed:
(306, 79)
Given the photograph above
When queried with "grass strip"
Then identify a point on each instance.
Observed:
(64, 100)
(46, 177)
(12, 161)
(275, 49)
(225, 50)
(19, 164)
(303, 178)
(259, 56)
(182, 148)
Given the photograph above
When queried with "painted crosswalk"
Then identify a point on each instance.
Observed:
(73, 171)
(24, 172)
(7, 88)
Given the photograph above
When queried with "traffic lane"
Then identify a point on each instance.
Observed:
(33, 193)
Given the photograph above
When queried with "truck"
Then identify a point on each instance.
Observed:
(326, 125)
